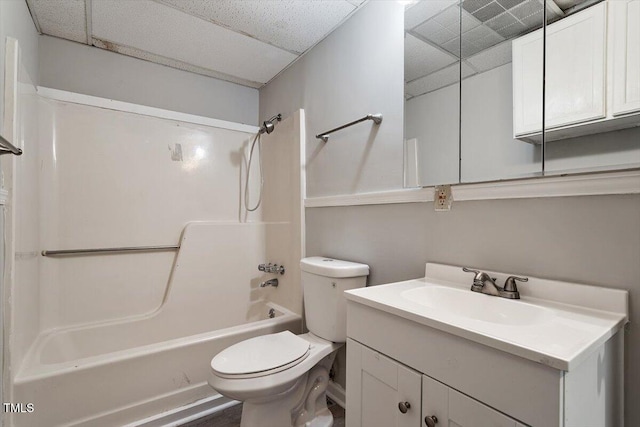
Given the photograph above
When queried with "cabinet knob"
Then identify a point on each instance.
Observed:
(404, 407)
(431, 420)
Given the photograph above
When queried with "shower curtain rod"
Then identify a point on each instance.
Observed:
(8, 148)
(377, 119)
(66, 252)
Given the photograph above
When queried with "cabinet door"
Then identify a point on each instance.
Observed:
(575, 73)
(626, 55)
(376, 388)
(453, 409)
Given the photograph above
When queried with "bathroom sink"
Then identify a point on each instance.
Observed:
(555, 323)
(463, 302)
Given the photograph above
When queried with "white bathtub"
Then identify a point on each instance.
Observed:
(120, 373)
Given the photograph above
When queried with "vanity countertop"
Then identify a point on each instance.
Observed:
(554, 323)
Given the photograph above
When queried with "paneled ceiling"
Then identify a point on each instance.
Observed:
(243, 41)
(432, 37)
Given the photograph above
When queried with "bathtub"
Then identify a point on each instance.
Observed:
(119, 373)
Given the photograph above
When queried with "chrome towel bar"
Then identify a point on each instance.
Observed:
(69, 252)
(8, 148)
(377, 119)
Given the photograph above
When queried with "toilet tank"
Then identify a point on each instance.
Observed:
(324, 281)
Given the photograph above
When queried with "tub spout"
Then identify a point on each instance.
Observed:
(272, 282)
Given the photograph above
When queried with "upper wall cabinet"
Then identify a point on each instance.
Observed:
(587, 63)
(625, 20)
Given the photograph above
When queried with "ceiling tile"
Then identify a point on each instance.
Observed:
(424, 10)
(512, 30)
(438, 80)
(508, 4)
(527, 8)
(473, 5)
(149, 26)
(492, 58)
(501, 21)
(489, 40)
(435, 32)
(290, 24)
(62, 18)
(489, 11)
(421, 58)
(453, 46)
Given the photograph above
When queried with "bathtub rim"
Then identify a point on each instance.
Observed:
(32, 370)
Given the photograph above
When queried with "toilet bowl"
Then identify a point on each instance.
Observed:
(282, 378)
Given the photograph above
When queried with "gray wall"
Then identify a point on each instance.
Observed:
(88, 70)
(356, 70)
(593, 240)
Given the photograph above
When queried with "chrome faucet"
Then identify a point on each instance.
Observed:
(486, 284)
(271, 282)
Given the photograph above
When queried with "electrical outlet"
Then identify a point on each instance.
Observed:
(442, 198)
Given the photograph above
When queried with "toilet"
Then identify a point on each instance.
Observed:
(282, 378)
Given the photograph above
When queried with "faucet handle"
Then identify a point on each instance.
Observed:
(510, 283)
(470, 270)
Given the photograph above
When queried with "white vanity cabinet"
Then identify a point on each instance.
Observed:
(448, 407)
(432, 347)
(386, 393)
(592, 74)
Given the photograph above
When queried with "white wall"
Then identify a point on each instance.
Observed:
(356, 70)
(16, 22)
(76, 67)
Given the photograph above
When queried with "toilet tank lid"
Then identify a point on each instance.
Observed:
(329, 267)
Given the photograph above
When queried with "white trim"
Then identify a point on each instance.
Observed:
(4, 197)
(187, 413)
(337, 394)
(111, 104)
(627, 182)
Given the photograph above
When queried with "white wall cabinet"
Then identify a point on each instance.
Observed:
(625, 20)
(591, 58)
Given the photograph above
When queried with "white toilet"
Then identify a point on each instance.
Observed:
(282, 378)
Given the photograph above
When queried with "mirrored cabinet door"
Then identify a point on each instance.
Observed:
(432, 92)
(502, 96)
(592, 107)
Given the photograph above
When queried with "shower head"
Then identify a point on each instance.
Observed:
(268, 125)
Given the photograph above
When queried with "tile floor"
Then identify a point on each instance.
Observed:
(230, 417)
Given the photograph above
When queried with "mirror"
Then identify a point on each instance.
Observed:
(496, 43)
(474, 89)
(592, 106)
(432, 93)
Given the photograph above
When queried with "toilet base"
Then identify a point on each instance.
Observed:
(303, 405)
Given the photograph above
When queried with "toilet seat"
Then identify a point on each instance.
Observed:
(261, 356)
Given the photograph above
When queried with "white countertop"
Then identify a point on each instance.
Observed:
(561, 332)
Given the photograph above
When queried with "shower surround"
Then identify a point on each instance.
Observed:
(110, 339)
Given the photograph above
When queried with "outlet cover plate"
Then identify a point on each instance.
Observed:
(442, 198)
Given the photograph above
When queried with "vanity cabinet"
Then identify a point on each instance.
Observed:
(592, 74)
(466, 384)
(389, 394)
(380, 386)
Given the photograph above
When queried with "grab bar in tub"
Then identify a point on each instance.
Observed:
(69, 252)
